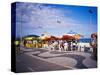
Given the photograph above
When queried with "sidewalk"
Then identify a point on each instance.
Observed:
(71, 59)
(26, 63)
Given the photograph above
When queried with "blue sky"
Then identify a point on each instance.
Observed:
(57, 20)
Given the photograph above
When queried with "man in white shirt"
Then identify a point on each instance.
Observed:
(66, 46)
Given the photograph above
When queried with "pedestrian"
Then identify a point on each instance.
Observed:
(66, 46)
(62, 46)
(69, 46)
(94, 44)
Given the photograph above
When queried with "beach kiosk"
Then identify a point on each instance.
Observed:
(30, 41)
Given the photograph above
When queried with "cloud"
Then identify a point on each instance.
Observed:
(42, 17)
(48, 17)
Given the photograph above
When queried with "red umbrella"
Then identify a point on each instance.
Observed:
(50, 38)
(67, 37)
(53, 38)
(46, 39)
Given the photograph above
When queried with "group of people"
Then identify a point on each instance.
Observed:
(60, 45)
(63, 45)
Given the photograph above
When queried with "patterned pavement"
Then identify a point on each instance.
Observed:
(55, 60)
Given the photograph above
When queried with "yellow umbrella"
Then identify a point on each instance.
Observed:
(77, 36)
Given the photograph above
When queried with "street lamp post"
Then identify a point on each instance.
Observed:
(21, 28)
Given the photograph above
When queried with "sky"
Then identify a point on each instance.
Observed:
(54, 19)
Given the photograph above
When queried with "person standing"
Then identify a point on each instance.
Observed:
(62, 46)
(94, 44)
(66, 46)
